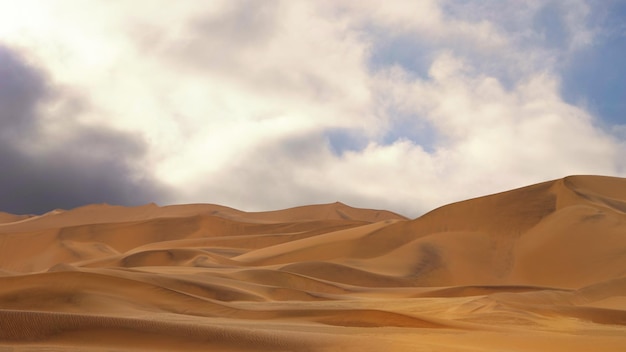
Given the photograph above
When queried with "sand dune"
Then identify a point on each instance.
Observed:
(11, 218)
(540, 268)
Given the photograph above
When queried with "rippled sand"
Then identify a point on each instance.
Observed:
(541, 268)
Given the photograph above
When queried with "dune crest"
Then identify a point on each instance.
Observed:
(539, 268)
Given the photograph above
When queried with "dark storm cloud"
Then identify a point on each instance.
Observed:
(81, 165)
(21, 89)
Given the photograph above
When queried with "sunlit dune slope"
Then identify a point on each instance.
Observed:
(11, 218)
(539, 268)
(563, 233)
(102, 231)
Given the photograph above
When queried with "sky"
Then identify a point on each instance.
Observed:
(262, 105)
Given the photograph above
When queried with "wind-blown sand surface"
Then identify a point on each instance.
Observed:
(541, 268)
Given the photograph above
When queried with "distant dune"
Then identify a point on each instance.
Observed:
(539, 268)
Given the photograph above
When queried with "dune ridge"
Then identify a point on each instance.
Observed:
(539, 268)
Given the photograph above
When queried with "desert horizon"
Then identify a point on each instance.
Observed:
(538, 268)
(312, 175)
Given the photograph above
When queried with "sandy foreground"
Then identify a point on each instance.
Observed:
(540, 268)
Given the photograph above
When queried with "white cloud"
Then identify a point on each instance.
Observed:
(497, 138)
(490, 140)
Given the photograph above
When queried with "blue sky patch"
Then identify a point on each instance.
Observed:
(342, 140)
(595, 77)
(404, 51)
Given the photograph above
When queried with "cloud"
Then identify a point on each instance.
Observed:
(488, 138)
(20, 92)
(489, 135)
(77, 164)
(405, 106)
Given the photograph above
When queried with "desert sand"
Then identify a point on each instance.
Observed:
(540, 268)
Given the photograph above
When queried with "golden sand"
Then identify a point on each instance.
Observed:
(540, 268)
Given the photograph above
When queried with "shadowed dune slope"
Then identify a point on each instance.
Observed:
(539, 268)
